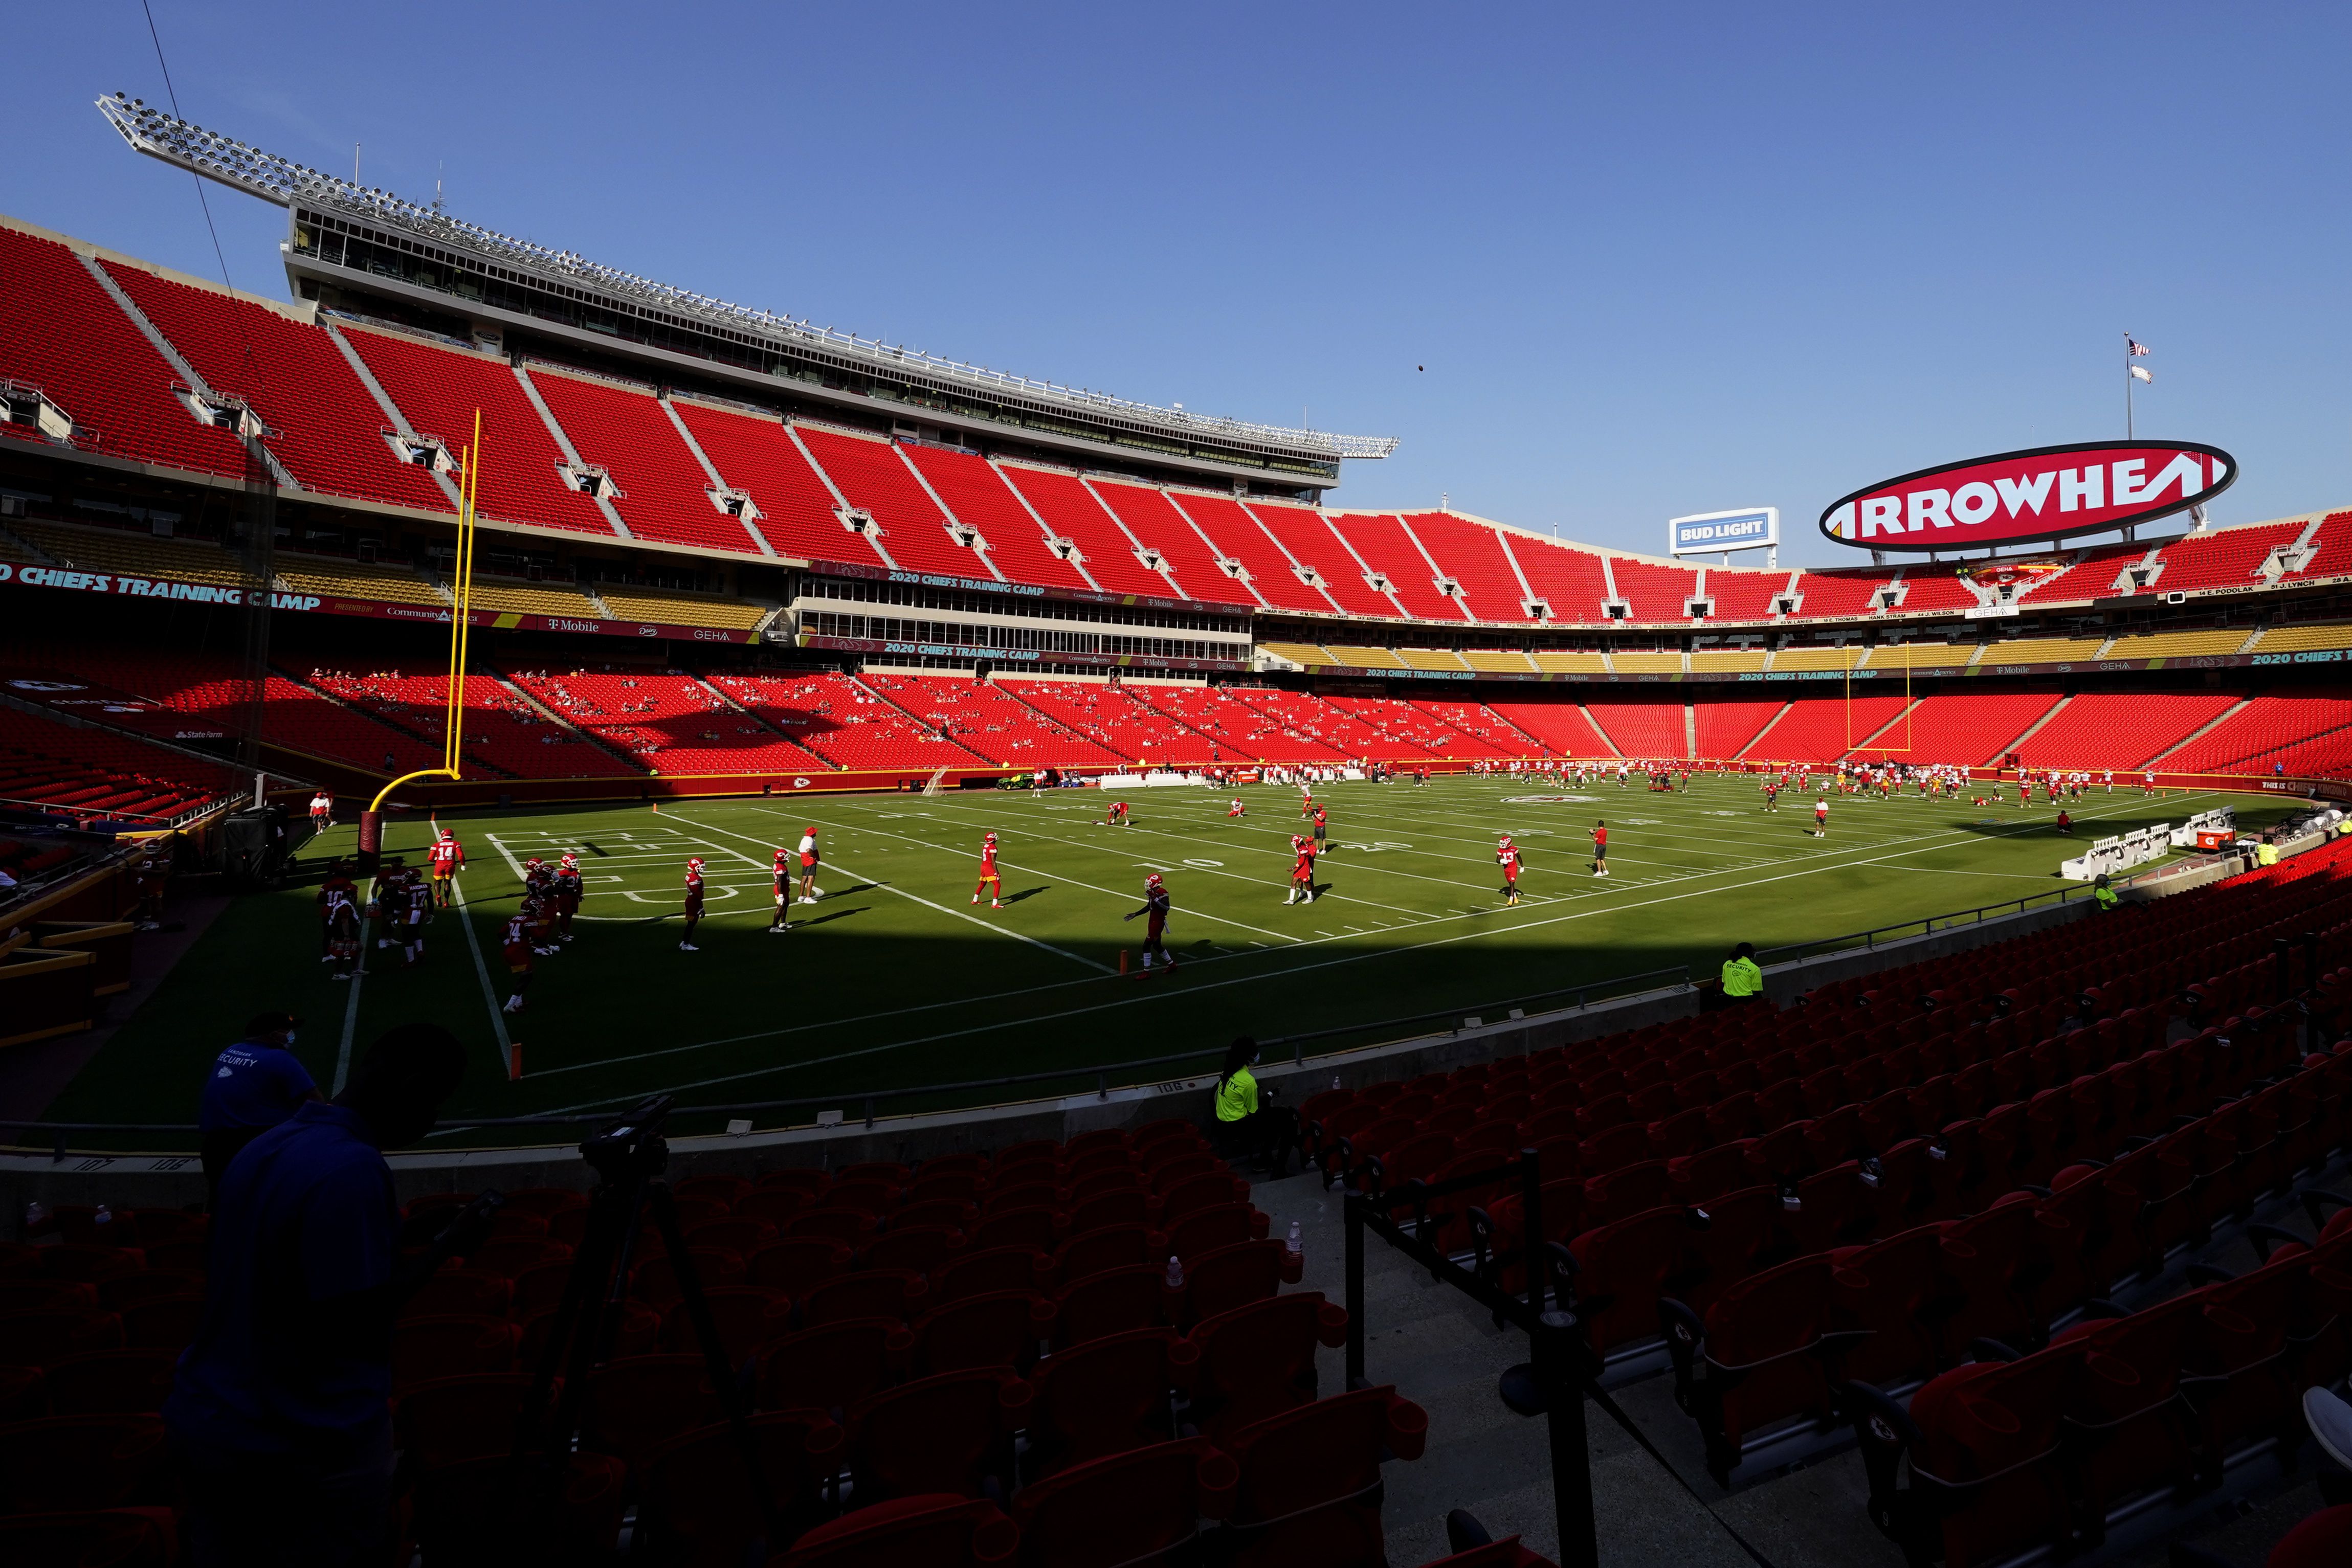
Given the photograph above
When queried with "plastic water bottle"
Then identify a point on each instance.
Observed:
(105, 1215)
(1335, 1080)
(1175, 1272)
(1294, 1248)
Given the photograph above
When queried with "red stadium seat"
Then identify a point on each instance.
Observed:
(942, 1530)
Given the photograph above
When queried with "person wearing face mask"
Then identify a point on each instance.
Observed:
(254, 1085)
(279, 1415)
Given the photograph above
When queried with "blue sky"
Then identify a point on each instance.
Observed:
(1656, 260)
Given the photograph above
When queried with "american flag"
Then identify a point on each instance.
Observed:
(2133, 347)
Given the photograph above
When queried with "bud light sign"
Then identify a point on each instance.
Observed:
(2047, 493)
(1710, 531)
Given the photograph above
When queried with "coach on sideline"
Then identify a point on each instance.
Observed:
(1742, 981)
(279, 1413)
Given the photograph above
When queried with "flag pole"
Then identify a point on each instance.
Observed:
(2127, 387)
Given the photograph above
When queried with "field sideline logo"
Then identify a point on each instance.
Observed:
(1550, 799)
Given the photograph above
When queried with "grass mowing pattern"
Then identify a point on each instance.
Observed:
(894, 979)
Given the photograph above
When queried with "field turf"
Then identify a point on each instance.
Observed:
(894, 979)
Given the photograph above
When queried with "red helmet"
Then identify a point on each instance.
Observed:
(446, 834)
(694, 866)
(1151, 880)
(991, 838)
(1505, 842)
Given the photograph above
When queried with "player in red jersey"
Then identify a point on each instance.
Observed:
(1302, 870)
(989, 877)
(1507, 854)
(1237, 810)
(1155, 905)
(445, 856)
(693, 905)
(1322, 825)
(1599, 847)
(1117, 816)
(417, 908)
(781, 874)
(517, 942)
(343, 930)
(568, 891)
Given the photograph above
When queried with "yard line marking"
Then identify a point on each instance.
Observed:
(1274, 973)
(351, 1011)
(482, 972)
(902, 893)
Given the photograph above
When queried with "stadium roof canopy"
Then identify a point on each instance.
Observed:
(289, 184)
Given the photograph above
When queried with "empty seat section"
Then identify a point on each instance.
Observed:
(1382, 540)
(843, 723)
(1566, 579)
(500, 730)
(1235, 533)
(1971, 728)
(1723, 729)
(1311, 542)
(353, 579)
(211, 688)
(2201, 642)
(2093, 576)
(100, 773)
(323, 424)
(2122, 729)
(1741, 595)
(869, 473)
(1321, 726)
(1821, 729)
(136, 555)
(2331, 552)
(1157, 526)
(2228, 557)
(62, 332)
(975, 491)
(437, 389)
(665, 495)
(1482, 723)
(2303, 733)
(1642, 727)
(1236, 725)
(1122, 723)
(1559, 725)
(1656, 593)
(988, 723)
(666, 721)
(1073, 513)
(1412, 734)
(1472, 554)
(662, 607)
(1931, 588)
(2040, 651)
(1839, 593)
(756, 456)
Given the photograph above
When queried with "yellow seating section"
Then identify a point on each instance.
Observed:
(1504, 660)
(1899, 656)
(2043, 651)
(680, 608)
(134, 555)
(1646, 663)
(1845, 658)
(1431, 659)
(2302, 639)
(355, 580)
(2180, 645)
(1307, 653)
(532, 599)
(1368, 658)
(1568, 664)
(1728, 659)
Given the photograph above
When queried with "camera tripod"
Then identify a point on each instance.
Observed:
(629, 1157)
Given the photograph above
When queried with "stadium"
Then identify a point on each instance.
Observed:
(868, 699)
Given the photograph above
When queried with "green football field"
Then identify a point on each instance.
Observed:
(894, 980)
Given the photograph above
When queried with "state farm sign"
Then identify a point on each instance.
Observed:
(2044, 494)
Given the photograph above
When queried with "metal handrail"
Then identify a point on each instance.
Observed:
(1927, 923)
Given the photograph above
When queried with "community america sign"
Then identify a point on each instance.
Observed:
(2046, 493)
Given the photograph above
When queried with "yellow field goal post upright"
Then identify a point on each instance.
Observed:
(1853, 659)
(453, 727)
